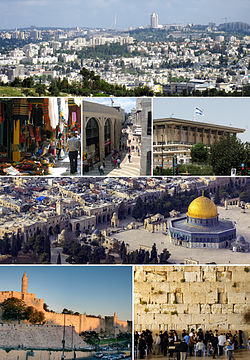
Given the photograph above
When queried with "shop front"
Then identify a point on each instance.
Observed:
(33, 134)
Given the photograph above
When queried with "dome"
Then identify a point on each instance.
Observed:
(202, 208)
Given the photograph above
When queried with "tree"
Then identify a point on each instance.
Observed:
(154, 256)
(138, 211)
(164, 256)
(13, 309)
(226, 154)
(40, 89)
(199, 153)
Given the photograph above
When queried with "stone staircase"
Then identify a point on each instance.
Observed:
(126, 169)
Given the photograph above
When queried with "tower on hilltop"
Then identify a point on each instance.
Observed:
(154, 21)
(24, 283)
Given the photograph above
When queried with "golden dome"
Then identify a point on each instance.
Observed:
(202, 208)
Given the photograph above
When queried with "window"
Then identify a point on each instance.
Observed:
(149, 127)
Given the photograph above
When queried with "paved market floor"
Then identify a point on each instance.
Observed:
(62, 167)
(127, 168)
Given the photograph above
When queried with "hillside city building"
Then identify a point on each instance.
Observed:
(154, 21)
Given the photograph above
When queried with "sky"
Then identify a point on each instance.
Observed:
(222, 111)
(96, 290)
(129, 13)
(126, 103)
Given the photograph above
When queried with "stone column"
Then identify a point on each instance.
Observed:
(101, 124)
(112, 134)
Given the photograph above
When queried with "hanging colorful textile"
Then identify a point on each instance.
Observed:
(21, 109)
(53, 113)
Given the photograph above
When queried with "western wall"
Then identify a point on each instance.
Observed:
(185, 297)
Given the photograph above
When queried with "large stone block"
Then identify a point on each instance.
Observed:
(216, 309)
(175, 276)
(211, 297)
(239, 275)
(193, 276)
(236, 298)
(227, 309)
(194, 308)
(205, 309)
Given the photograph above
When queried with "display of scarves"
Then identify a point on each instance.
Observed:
(21, 109)
(45, 107)
(37, 133)
(53, 113)
(64, 110)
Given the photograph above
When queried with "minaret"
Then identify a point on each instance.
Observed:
(59, 210)
(24, 283)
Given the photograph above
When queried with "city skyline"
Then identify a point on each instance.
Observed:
(109, 288)
(109, 14)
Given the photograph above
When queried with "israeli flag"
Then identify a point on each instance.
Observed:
(198, 111)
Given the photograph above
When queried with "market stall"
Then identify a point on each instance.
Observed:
(33, 133)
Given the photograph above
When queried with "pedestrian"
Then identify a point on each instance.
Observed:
(101, 170)
(183, 348)
(157, 342)
(73, 146)
(103, 162)
(191, 345)
(129, 158)
(99, 167)
(118, 163)
(230, 348)
(221, 343)
(59, 146)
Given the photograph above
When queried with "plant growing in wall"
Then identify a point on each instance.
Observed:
(174, 312)
(146, 310)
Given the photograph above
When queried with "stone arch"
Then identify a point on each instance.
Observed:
(93, 138)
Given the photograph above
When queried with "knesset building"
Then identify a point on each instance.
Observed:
(172, 136)
(201, 227)
(101, 130)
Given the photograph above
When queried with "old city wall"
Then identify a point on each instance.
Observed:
(29, 298)
(122, 325)
(80, 322)
(204, 297)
